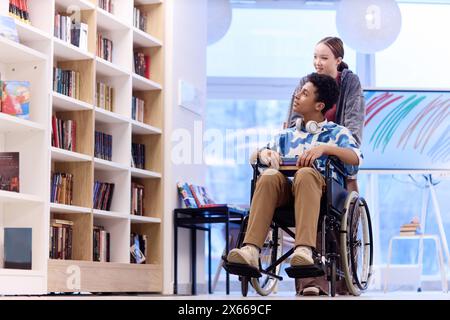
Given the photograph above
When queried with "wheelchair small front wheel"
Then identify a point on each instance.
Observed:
(244, 286)
(271, 251)
(333, 277)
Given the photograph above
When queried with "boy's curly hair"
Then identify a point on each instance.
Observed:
(327, 89)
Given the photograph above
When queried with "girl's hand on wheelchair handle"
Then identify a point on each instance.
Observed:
(309, 156)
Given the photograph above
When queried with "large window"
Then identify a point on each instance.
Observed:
(419, 56)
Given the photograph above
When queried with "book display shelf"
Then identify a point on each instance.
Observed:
(35, 59)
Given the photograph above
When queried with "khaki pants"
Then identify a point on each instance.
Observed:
(273, 190)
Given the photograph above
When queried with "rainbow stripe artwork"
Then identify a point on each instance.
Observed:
(407, 130)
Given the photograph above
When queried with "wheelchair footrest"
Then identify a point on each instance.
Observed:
(315, 270)
(242, 270)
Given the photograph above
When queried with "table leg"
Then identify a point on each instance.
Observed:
(227, 241)
(209, 261)
(175, 258)
(194, 260)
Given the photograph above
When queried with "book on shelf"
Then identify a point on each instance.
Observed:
(15, 98)
(103, 194)
(140, 19)
(8, 28)
(411, 228)
(64, 134)
(18, 9)
(9, 171)
(142, 64)
(137, 199)
(138, 155)
(104, 48)
(17, 243)
(138, 248)
(66, 82)
(61, 235)
(79, 35)
(107, 5)
(137, 109)
(102, 244)
(104, 96)
(61, 190)
(103, 146)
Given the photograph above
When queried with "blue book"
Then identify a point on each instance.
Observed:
(8, 28)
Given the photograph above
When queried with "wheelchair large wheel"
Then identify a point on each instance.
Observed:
(271, 251)
(356, 244)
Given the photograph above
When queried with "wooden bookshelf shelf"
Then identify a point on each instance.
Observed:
(143, 128)
(65, 103)
(106, 116)
(109, 214)
(65, 51)
(142, 39)
(108, 21)
(108, 69)
(82, 4)
(145, 2)
(68, 156)
(100, 164)
(13, 52)
(143, 84)
(63, 208)
(139, 173)
(10, 123)
(28, 33)
(16, 197)
(143, 219)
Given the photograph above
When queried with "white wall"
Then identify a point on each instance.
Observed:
(185, 43)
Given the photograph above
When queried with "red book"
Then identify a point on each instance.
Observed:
(147, 66)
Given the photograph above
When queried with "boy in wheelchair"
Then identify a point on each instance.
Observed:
(311, 141)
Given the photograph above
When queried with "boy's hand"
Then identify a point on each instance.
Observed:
(309, 156)
(270, 158)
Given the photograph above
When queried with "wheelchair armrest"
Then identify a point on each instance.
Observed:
(335, 163)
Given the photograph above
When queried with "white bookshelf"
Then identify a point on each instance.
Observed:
(33, 59)
(65, 103)
(62, 155)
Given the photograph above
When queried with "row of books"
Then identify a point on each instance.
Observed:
(103, 146)
(137, 199)
(66, 82)
(142, 64)
(137, 109)
(64, 134)
(138, 155)
(61, 235)
(410, 229)
(68, 30)
(15, 98)
(9, 171)
(62, 188)
(18, 9)
(104, 47)
(107, 5)
(104, 96)
(102, 245)
(103, 193)
(138, 248)
(194, 196)
(140, 19)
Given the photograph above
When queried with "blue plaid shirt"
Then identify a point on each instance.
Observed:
(292, 142)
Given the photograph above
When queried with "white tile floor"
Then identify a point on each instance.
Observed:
(398, 295)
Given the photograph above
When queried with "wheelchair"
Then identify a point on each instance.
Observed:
(344, 218)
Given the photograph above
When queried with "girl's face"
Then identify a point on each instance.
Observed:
(324, 60)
